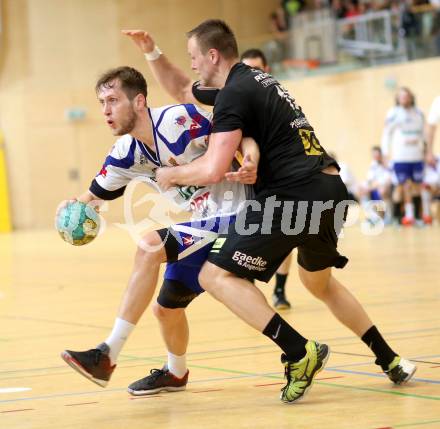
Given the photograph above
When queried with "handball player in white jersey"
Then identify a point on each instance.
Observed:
(152, 138)
(403, 144)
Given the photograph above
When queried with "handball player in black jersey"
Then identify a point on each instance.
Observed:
(300, 202)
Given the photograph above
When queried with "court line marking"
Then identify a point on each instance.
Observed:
(418, 423)
(16, 411)
(241, 374)
(372, 374)
(81, 403)
(14, 389)
(159, 359)
(208, 390)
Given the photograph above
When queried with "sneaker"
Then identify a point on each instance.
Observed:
(280, 302)
(300, 374)
(159, 380)
(427, 220)
(400, 370)
(407, 221)
(93, 364)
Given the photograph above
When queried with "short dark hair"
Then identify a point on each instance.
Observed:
(254, 53)
(215, 34)
(132, 81)
(377, 148)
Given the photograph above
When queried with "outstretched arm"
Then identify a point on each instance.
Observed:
(170, 77)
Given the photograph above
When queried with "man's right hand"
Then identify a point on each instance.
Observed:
(142, 39)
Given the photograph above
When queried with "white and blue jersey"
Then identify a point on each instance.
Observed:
(403, 142)
(181, 134)
(403, 135)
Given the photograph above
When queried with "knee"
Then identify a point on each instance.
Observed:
(210, 277)
(150, 248)
(317, 287)
(162, 313)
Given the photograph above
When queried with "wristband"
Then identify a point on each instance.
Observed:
(154, 54)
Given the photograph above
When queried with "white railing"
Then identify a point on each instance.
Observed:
(370, 32)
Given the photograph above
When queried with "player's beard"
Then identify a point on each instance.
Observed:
(128, 124)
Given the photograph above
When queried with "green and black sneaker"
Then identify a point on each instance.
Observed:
(400, 370)
(300, 374)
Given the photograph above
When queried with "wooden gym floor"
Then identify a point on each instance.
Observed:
(55, 296)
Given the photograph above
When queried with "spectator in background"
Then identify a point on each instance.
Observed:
(436, 25)
(339, 9)
(278, 22)
(276, 49)
(352, 9)
(409, 29)
(403, 145)
(291, 8)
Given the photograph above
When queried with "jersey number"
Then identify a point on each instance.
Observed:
(310, 142)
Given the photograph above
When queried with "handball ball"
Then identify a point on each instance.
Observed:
(77, 223)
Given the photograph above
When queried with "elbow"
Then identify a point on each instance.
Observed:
(214, 176)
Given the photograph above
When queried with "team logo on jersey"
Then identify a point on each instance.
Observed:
(180, 120)
(103, 171)
(142, 159)
(173, 162)
(187, 241)
(201, 202)
(195, 126)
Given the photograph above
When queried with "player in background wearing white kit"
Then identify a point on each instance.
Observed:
(377, 187)
(431, 188)
(403, 144)
(432, 123)
(433, 163)
(152, 138)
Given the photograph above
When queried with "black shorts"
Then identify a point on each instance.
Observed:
(270, 228)
(174, 294)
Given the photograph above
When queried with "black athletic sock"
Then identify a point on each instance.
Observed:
(291, 342)
(280, 283)
(384, 354)
(397, 211)
(417, 201)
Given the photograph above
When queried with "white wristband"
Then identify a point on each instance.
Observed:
(154, 54)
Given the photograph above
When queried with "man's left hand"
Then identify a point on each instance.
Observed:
(246, 174)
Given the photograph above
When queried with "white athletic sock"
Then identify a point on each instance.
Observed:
(409, 210)
(426, 202)
(117, 338)
(177, 364)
